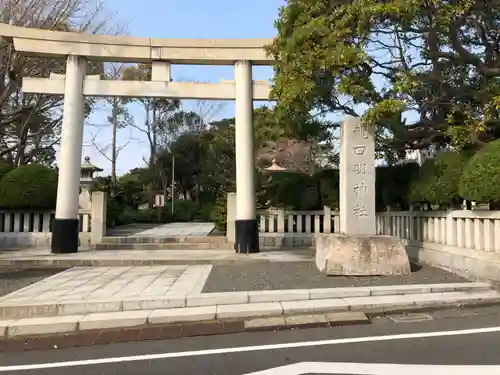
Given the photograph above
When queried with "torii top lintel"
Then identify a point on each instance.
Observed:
(54, 44)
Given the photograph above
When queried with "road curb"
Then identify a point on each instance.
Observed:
(27, 309)
(179, 330)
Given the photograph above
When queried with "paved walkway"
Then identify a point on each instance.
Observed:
(101, 283)
(178, 230)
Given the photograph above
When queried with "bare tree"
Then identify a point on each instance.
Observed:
(157, 111)
(30, 124)
(119, 118)
(208, 110)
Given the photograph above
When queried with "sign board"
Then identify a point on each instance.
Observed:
(159, 200)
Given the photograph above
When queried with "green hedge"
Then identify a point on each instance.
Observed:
(32, 186)
(393, 184)
(480, 179)
(4, 168)
(438, 180)
(184, 211)
(219, 213)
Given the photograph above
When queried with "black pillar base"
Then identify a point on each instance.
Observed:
(64, 236)
(247, 236)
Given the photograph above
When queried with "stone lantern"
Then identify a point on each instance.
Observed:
(87, 171)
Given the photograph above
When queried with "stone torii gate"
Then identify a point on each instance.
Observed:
(75, 85)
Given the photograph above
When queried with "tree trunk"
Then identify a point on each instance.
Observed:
(197, 192)
(154, 141)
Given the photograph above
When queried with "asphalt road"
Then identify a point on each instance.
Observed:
(384, 348)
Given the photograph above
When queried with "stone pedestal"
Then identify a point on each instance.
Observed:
(360, 255)
(357, 250)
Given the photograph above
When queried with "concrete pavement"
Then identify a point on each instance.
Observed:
(221, 313)
(178, 229)
(108, 304)
(465, 342)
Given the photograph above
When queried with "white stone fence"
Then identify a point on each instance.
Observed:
(288, 221)
(33, 227)
(475, 230)
(479, 230)
(465, 242)
(287, 228)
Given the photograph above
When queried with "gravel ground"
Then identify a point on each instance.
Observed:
(14, 279)
(304, 275)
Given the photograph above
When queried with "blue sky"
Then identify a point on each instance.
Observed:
(182, 19)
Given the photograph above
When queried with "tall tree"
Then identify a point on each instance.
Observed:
(426, 71)
(157, 111)
(155, 127)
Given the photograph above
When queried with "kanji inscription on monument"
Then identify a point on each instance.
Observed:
(357, 178)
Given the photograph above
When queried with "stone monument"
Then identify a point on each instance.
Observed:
(357, 249)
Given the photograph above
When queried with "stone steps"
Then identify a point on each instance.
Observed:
(291, 301)
(372, 305)
(162, 240)
(164, 243)
(165, 246)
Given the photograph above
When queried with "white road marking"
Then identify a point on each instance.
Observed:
(242, 349)
(376, 369)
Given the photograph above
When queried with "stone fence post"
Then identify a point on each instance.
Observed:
(327, 220)
(451, 230)
(388, 222)
(98, 217)
(281, 220)
(411, 224)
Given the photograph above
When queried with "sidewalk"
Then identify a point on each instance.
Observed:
(134, 303)
(163, 230)
(110, 258)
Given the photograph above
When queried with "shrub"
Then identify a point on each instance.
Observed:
(328, 181)
(153, 215)
(125, 217)
(296, 191)
(438, 181)
(114, 211)
(419, 188)
(219, 213)
(480, 179)
(4, 168)
(32, 186)
(205, 213)
(184, 210)
(393, 184)
(147, 216)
